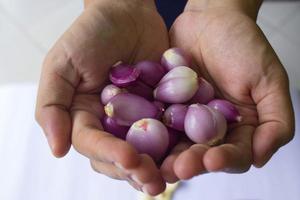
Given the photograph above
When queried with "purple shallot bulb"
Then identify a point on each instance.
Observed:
(151, 72)
(175, 57)
(149, 136)
(177, 86)
(126, 108)
(174, 136)
(141, 89)
(229, 111)
(111, 126)
(204, 125)
(205, 92)
(109, 92)
(174, 116)
(123, 75)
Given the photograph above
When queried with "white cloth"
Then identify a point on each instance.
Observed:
(29, 172)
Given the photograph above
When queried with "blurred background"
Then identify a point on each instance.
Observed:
(28, 29)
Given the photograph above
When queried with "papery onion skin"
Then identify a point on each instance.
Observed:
(175, 57)
(149, 136)
(141, 89)
(126, 108)
(111, 126)
(174, 116)
(109, 92)
(123, 75)
(177, 90)
(151, 72)
(204, 125)
(205, 92)
(229, 111)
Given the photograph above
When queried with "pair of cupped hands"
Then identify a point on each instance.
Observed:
(228, 49)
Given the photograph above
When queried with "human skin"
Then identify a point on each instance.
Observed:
(74, 72)
(229, 50)
(232, 53)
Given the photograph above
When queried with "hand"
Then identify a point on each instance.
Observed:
(74, 72)
(232, 53)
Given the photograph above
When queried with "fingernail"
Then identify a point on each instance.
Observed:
(136, 179)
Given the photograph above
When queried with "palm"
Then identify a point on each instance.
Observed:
(231, 52)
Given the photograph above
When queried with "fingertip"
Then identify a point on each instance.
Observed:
(155, 188)
(189, 163)
(59, 150)
(167, 170)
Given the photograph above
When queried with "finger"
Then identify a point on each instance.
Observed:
(89, 140)
(56, 89)
(167, 167)
(148, 176)
(155, 187)
(235, 156)
(276, 118)
(114, 172)
(107, 169)
(146, 171)
(190, 162)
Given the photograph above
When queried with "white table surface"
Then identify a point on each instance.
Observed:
(29, 172)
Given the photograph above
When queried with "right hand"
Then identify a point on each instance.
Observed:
(76, 69)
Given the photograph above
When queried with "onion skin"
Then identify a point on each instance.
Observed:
(109, 92)
(141, 89)
(151, 72)
(229, 111)
(204, 125)
(149, 136)
(126, 108)
(205, 92)
(177, 90)
(174, 116)
(123, 75)
(175, 57)
(111, 126)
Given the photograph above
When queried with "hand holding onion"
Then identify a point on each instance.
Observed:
(131, 112)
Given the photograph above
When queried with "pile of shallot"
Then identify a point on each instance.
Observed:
(151, 105)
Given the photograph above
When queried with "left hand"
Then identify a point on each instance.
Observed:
(232, 53)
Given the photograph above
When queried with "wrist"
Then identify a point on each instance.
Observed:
(248, 7)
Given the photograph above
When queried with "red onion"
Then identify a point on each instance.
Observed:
(110, 126)
(109, 92)
(205, 92)
(123, 75)
(141, 89)
(128, 108)
(178, 90)
(149, 136)
(151, 72)
(204, 125)
(161, 108)
(174, 116)
(175, 57)
(229, 111)
(174, 136)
